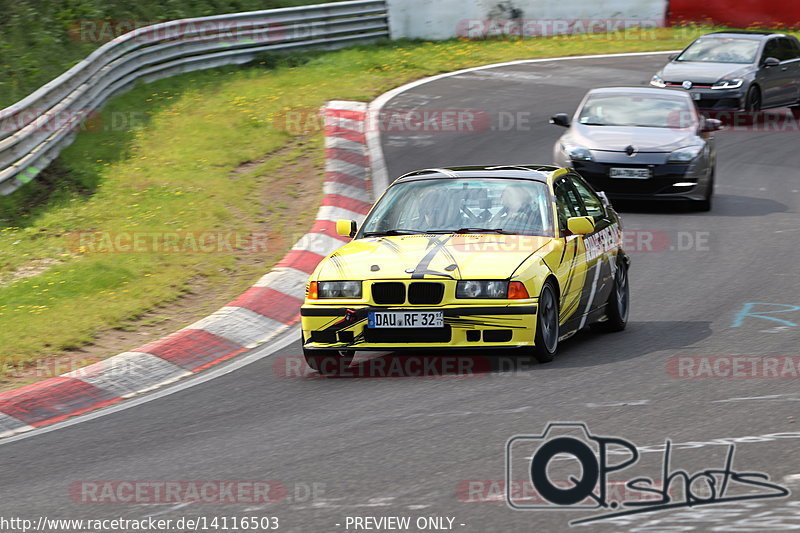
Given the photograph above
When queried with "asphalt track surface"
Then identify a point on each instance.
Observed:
(405, 446)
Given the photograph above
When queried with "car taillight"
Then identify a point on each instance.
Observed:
(517, 291)
(313, 291)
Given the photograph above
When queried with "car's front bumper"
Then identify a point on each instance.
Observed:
(668, 181)
(709, 99)
(346, 328)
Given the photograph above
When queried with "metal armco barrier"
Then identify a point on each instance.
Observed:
(35, 130)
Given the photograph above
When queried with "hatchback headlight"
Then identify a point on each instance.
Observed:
(726, 83)
(684, 155)
(656, 81)
(339, 289)
(576, 153)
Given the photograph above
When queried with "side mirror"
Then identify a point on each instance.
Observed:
(673, 57)
(711, 124)
(580, 225)
(772, 62)
(346, 228)
(561, 119)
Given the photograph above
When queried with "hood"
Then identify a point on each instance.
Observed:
(701, 72)
(617, 138)
(482, 256)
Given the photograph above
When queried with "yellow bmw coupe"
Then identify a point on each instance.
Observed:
(470, 257)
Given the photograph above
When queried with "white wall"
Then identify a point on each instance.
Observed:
(444, 19)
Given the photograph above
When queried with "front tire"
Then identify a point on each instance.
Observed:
(752, 102)
(618, 304)
(704, 205)
(547, 329)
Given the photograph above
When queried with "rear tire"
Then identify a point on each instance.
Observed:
(547, 329)
(618, 304)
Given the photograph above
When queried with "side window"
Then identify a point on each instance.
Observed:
(771, 50)
(593, 204)
(795, 47)
(786, 49)
(567, 202)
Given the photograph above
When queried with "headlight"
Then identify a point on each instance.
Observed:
(728, 84)
(684, 155)
(482, 289)
(656, 81)
(576, 153)
(339, 289)
(513, 290)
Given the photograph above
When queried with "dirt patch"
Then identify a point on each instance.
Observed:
(289, 198)
(34, 268)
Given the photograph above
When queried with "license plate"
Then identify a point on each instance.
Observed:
(696, 96)
(633, 173)
(406, 319)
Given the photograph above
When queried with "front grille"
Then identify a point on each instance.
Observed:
(407, 335)
(392, 293)
(424, 293)
(680, 84)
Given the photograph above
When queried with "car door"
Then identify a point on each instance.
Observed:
(790, 49)
(571, 272)
(776, 81)
(601, 248)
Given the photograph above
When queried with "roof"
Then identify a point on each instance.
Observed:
(641, 91)
(529, 172)
(739, 34)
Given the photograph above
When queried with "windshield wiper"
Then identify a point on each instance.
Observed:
(392, 232)
(472, 230)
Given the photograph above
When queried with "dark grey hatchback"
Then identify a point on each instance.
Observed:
(640, 142)
(747, 71)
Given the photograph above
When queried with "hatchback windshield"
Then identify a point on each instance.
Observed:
(628, 110)
(452, 205)
(718, 50)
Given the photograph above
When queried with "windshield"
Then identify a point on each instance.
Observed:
(721, 51)
(450, 205)
(628, 110)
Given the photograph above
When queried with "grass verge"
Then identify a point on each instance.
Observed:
(164, 158)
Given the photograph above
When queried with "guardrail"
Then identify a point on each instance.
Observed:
(35, 130)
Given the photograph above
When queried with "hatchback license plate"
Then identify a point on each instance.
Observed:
(634, 173)
(406, 319)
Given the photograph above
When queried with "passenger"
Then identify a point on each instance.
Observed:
(518, 213)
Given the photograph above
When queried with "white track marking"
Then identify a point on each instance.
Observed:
(223, 369)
